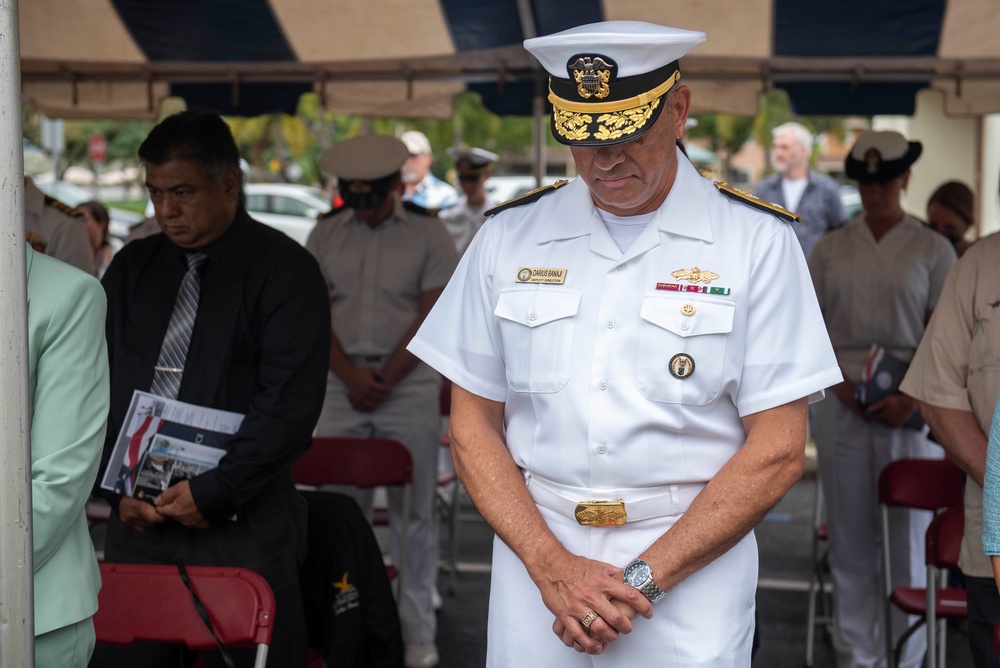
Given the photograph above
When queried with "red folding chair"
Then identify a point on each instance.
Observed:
(926, 484)
(448, 491)
(364, 463)
(937, 602)
(142, 602)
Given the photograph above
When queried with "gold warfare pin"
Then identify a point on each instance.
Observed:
(541, 275)
(695, 275)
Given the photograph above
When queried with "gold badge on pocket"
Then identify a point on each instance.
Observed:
(681, 366)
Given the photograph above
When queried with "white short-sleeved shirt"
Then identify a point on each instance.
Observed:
(375, 276)
(463, 220)
(878, 292)
(957, 366)
(583, 366)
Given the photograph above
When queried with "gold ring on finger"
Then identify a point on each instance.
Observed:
(588, 619)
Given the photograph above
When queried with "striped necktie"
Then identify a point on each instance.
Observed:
(170, 365)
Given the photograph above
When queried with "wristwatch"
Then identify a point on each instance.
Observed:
(638, 574)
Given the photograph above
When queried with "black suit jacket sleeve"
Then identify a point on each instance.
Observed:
(293, 330)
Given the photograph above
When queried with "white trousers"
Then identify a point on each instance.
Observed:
(852, 452)
(409, 416)
(706, 620)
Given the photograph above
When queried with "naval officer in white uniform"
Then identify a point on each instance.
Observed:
(632, 356)
(473, 166)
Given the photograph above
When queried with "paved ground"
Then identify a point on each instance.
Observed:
(785, 555)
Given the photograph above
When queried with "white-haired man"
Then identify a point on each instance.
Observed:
(422, 188)
(622, 413)
(814, 196)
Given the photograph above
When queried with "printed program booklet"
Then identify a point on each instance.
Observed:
(164, 441)
(881, 378)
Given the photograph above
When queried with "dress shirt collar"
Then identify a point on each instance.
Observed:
(217, 248)
(684, 212)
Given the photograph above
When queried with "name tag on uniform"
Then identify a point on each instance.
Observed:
(541, 275)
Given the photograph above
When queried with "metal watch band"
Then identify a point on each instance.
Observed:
(651, 591)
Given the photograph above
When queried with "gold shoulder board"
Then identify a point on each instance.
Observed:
(526, 198)
(62, 206)
(756, 202)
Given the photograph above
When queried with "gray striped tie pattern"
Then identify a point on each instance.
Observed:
(173, 352)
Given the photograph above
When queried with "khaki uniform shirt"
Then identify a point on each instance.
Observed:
(958, 366)
(375, 276)
(51, 229)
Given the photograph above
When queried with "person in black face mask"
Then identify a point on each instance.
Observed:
(385, 264)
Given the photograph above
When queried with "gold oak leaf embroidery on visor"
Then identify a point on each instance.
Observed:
(613, 126)
(571, 125)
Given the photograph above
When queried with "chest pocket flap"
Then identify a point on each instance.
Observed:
(537, 307)
(537, 358)
(675, 314)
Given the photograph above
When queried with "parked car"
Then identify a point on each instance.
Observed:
(851, 199)
(122, 220)
(288, 207)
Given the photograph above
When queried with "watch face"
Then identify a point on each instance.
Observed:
(637, 573)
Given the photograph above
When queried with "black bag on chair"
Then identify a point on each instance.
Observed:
(350, 609)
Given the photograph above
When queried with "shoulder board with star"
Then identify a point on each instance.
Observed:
(526, 198)
(62, 206)
(423, 211)
(761, 205)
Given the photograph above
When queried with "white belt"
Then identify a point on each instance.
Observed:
(614, 508)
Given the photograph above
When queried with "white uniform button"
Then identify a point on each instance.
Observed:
(532, 316)
(610, 323)
(620, 267)
(601, 448)
(684, 325)
(603, 385)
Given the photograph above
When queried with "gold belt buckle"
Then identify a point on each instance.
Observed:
(601, 513)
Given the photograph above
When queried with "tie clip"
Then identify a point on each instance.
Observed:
(169, 369)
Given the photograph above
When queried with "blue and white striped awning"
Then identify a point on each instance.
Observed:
(117, 58)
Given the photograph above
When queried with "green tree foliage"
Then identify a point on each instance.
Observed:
(726, 134)
(123, 139)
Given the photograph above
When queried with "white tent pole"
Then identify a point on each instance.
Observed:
(17, 626)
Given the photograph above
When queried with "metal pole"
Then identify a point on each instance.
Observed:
(526, 14)
(17, 627)
(538, 132)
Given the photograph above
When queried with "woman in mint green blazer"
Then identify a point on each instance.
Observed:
(69, 388)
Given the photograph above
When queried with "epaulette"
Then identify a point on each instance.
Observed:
(36, 241)
(423, 211)
(751, 200)
(62, 206)
(526, 198)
